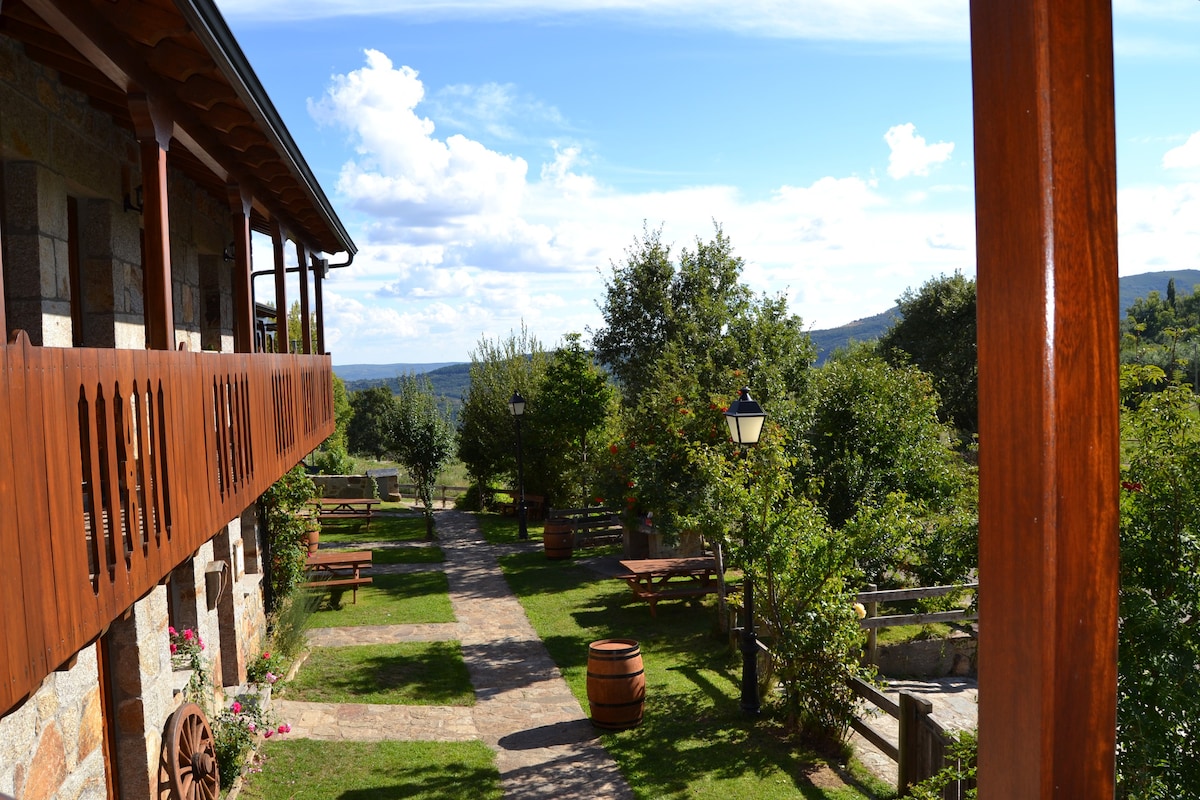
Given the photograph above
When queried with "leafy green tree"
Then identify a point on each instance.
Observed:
(936, 332)
(374, 411)
(1158, 684)
(333, 456)
(881, 460)
(575, 400)
(486, 431)
(422, 439)
(695, 318)
(294, 332)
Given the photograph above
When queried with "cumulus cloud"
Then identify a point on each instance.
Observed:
(1186, 156)
(910, 155)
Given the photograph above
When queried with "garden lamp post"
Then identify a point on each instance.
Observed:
(517, 406)
(745, 419)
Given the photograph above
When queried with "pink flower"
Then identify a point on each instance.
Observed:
(174, 647)
(201, 645)
(188, 635)
(266, 656)
(236, 707)
(285, 728)
(268, 733)
(272, 677)
(171, 629)
(251, 726)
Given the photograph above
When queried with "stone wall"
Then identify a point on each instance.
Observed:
(354, 485)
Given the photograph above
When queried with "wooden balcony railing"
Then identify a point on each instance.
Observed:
(116, 465)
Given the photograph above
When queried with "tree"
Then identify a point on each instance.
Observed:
(879, 454)
(294, 332)
(486, 431)
(575, 399)
(1158, 685)
(936, 332)
(368, 432)
(333, 456)
(422, 439)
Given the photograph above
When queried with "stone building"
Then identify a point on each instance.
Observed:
(140, 420)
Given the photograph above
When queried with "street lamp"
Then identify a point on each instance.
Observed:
(517, 406)
(745, 419)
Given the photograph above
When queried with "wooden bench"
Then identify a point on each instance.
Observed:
(347, 508)
(338, 571)
(592, 526)
(652, 579)
(534, 503)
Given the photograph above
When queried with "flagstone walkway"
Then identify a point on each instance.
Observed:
(545, 746)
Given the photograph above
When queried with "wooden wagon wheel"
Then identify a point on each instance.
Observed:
(191, 755)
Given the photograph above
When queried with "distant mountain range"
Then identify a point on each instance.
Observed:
(450, 379)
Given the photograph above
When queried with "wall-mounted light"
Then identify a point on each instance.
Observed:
(230, 252)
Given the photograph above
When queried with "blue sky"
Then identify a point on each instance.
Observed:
(493, 158)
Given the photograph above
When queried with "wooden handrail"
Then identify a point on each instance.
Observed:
(117, 465)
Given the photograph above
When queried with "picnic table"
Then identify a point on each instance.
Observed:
(654, 579)
(338, 571)
(346, 508)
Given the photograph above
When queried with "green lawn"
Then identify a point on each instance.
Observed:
(406, 673)
(389, 600)
(694, 742)
(304, 769)
(497, 529)
(382, 529)
(429, 554)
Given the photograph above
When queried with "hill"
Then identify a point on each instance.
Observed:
(1130, 288)
(362, 372)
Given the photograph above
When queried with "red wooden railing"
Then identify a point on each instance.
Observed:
(116, 465)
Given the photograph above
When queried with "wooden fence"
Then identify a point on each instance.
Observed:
(923, 741)
(116, 466)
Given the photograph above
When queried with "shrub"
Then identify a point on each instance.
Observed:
(285, 505)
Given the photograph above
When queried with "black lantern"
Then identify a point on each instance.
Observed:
(745, 418)
(517, 406)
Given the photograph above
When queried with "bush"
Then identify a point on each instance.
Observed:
(286, 508)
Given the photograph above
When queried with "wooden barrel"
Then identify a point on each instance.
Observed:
(557, 537)
(616, 683)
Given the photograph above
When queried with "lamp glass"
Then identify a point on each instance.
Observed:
(517, 404)
(745, 419)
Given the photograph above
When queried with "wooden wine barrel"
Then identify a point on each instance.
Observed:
(616, 683)
(557, 536)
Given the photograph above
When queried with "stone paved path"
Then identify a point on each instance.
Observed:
(545, 746)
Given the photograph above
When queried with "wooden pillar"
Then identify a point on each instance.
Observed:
(1045, 174)
(302, 272)
(4, 294)
(243, 292)
(282, 345)
(153, 129)
(320, 266)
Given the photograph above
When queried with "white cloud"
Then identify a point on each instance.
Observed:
(1186, 156)
(934, 21)
(910, 155)
(463, 241)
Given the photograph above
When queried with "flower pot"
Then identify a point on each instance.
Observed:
(314, 537)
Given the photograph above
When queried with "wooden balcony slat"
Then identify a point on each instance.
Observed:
(14, 681)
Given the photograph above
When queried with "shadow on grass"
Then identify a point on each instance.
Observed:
(381, 529)
(429, 673)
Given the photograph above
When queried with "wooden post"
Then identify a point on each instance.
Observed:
(915, 763)
(319, 268)
(281, 311)
(243, 292)
(3, 294)
(872, 633)
(302, 270)
(1045, 173)
(154, 130)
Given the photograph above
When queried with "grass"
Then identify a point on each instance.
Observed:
(304, 769)
(408, 555)
(497, 529)
(407, 673)
(383, 529)
(694, 741)
(389, 600)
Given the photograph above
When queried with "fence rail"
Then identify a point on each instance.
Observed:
(117, 465)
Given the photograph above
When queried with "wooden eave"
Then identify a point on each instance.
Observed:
(182, 56)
